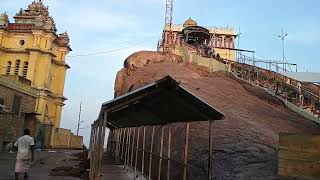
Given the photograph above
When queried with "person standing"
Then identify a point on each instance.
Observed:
(25, 154)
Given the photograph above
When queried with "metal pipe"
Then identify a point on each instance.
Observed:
(151, 148)
(161, 149)
(186, 145)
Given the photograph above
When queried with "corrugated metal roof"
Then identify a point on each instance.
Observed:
(312, 77)
(159, 103)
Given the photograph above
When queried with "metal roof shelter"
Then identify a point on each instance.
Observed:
(160, 103)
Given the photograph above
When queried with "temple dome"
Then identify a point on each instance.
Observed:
(190, 22)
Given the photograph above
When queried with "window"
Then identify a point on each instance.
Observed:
(25, 69)
(16, 104)
(2, 107)
(226, 41)
(46, 112)
(8, 68)
(16, 70)
(22, 42)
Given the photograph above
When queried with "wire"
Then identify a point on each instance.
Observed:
(106, 52)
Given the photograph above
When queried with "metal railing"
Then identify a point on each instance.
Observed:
(128, 145)
(137, 149)
(302, 94)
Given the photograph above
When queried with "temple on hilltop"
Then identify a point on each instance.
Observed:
(32, 51)
(200, 40)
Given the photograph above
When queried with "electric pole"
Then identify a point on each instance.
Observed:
(238, 36)
(283, 36)
(79, 119)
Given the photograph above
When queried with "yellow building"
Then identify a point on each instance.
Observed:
(30, 47)
(220, 40)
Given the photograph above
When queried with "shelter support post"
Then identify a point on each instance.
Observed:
(95, 155)
(151, 150)
(137, 150)
(133, 141)
(123, 138)
(143, 152)
(186, 146)
(118, 144)
(93, 160)
(210, 153)
(92, 148)
(169, 152)
(102, 132)
(160, 155)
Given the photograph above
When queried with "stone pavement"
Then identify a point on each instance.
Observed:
(41, 166)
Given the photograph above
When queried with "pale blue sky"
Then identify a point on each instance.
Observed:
(106, 25)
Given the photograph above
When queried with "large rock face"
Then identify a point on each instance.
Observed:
(246, 141)
(138, 60)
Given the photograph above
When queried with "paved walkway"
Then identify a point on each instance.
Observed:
(41, 167)
(112, 169)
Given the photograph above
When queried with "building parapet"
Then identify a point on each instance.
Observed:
(180, 27)
(18, 83)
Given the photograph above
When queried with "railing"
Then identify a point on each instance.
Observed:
(269, 64)
(302, 94)
(137, 149)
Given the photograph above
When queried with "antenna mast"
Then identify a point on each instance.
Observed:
(168, 24)
(169, 8)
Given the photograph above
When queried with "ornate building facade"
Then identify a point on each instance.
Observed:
(220, 40)
(31, 48)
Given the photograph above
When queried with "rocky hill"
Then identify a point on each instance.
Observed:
(246, 141)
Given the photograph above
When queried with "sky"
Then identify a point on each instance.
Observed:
(114, 29)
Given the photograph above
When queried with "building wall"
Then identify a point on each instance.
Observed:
(11, 87)
(11, 127)
(13, 122)
(212, 64)
(46, 68)
(223, 40)
(64, 139)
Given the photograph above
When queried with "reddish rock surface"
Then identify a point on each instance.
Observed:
(246, 141)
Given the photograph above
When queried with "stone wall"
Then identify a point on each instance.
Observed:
(16, 92)
(11, 127)
(9, 88)
(64, 139)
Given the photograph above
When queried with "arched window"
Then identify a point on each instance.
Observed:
(16, 70)
(25, 69)
(8, 70)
